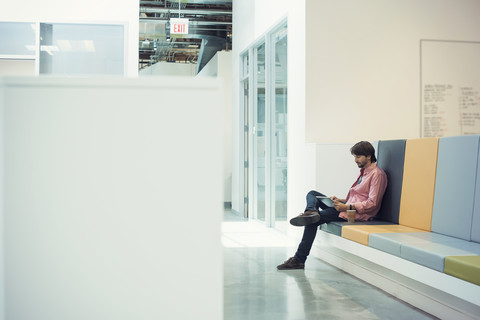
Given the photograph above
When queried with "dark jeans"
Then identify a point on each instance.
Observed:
(327, 214)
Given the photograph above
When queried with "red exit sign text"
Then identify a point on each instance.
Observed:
(178, 26)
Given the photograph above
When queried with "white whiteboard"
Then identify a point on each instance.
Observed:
(450, 87)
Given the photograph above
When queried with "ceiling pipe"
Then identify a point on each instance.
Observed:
(158, 2)
(185, 11)
(191, 22)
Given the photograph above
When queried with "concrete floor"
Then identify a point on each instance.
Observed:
(255, 289)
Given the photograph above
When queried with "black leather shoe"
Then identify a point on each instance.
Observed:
(291, 264)
(308, 217)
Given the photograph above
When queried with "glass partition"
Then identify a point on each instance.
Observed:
(81, 49)
(17, 39)
(265, 149)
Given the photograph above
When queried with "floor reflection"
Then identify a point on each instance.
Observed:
(255, 289)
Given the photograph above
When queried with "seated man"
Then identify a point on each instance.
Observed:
(365, 196)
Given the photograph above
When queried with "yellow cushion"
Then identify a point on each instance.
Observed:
(418, 185)
(464, 267)
(360, 233)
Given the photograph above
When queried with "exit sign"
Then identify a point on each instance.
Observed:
(178, 26)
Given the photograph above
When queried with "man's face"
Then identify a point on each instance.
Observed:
(361, 161)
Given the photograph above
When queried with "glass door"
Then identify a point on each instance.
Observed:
(246, 146)
(264, 82)
(245, 143)
(279, 130)
(259, 134)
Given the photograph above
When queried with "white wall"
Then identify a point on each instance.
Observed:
(363, 58)
(17, 67)
(243, 15)
(89, 11)
(211, 68)
(107, 201)
(221, 66)
(2, 211)
(225, 74)
(169, 69)
(356, 77)
(334, 174)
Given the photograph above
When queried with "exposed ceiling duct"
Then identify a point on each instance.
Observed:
(210, 30)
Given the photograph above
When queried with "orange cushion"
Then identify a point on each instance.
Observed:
(361, 233)
(418, 185)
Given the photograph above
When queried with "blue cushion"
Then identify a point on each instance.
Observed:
(392, 242)
(432, 255)
(455, 186)
(391, 156)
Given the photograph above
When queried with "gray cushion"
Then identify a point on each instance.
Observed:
(391, 156)
(455, 186)
(475, 233)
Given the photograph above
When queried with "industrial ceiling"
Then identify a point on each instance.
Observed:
(209, 31)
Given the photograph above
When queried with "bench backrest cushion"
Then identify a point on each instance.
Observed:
(418, 185)
(390, 157)
(455, 186)
(476, 208)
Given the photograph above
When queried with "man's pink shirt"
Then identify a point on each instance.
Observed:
(367, 196)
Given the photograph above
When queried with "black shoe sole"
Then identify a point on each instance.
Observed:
(303, 221)
(290, 268)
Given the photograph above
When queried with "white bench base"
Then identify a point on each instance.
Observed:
(439, 294)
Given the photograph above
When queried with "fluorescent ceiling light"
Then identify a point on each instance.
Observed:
(89, 45)
(76, 45)
(64, 45)
(49, 49)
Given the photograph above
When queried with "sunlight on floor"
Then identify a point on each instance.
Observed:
(252, 234)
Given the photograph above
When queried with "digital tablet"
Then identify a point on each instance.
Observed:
(326, 200)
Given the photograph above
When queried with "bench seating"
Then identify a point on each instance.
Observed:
(429, 215)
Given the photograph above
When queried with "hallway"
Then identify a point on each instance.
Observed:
(254, 289)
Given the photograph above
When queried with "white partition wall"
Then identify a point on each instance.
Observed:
(112, 199)
(2, 246)
(221, 66)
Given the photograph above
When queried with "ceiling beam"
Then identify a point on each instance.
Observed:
(191, 22)
(186, 11)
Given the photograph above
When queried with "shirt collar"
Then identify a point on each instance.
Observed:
(369, 169)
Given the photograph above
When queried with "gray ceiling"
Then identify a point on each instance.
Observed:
(210, 30)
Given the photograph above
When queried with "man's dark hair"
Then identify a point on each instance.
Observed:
(364, 148)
